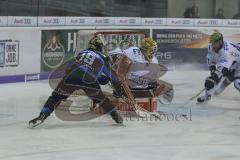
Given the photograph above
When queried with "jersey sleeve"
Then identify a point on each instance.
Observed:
(210, 56)
(230, 56)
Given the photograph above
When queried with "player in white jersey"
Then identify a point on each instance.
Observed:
(144, 75)
(224, 65)
(144, 54)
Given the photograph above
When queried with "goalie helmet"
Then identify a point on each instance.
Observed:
(148, 48)
(95, 44)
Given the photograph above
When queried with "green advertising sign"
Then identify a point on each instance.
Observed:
(57, 47)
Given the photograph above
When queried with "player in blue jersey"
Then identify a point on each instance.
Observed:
(90, 69)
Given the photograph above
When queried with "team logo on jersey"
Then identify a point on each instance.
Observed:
(53, 52)
(9, 53)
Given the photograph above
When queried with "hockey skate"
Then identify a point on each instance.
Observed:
(117, 117)
(39, 120)
(204, 98)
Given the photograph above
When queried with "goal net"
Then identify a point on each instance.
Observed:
(110, 38)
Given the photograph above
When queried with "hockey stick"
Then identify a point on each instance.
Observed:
(189, 100)
(192, 98)
(200, 92)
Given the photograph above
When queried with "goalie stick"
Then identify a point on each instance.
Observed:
(123, 88)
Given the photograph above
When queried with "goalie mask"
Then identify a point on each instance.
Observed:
(95, 44)
(216, 39)
(148, 48)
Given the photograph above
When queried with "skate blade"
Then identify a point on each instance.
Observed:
(31, 125)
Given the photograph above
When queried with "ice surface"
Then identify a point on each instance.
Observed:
(213, 132)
